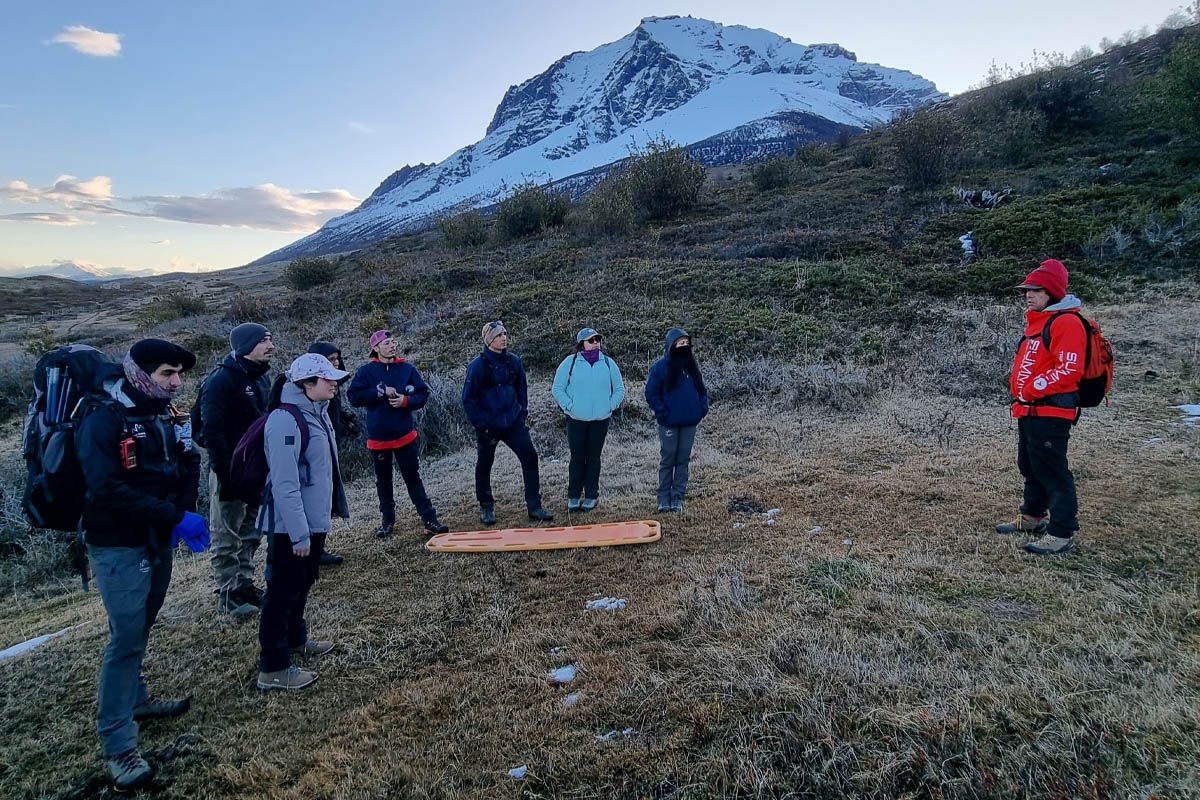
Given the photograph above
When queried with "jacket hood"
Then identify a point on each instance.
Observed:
(326, 349)
(242, 364)
(293, 394)
(673, 336)
(1068, 303)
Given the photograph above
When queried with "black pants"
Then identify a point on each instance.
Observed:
(587, 441)
(517, 439)
(1049, 484)
(281, 625)
(410, 470)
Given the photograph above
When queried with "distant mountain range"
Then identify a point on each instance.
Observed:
(731, 94)
(78, 271)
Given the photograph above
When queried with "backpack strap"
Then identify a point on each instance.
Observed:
(1087, 333)
(300, 423)
(571, 371)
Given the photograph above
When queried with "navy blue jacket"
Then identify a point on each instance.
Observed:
(495, 393)
(685, 404)
(388, 427)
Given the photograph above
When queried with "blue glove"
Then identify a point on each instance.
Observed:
(192, 530)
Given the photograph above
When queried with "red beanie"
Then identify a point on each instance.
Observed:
(1051, 276)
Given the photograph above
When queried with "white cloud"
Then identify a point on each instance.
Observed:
(359, 127)
(45, 218)
(264, 207)
(88, 41)
(179, 264)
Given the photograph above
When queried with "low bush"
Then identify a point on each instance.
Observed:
(1176, 89)
(16, 384)
(307, 273)
(664, 180)
(776, 173)
(443, 422)
(531, 209)
(245, 308)
(610, 207)
(926, 146)
(40, 340)
(169, 306)
(814, 154)
(468, 229)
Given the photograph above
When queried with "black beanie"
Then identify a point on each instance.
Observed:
(245, 337)
(150, 354)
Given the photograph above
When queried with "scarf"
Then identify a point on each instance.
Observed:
(591, 356)
(141, 380)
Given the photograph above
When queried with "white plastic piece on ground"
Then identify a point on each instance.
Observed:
(25, 647)
(737, 525)
(847, 542)
(563, 674)
(607, 604)
(572, 699)
(770, 522)
(604, 737)
(816, 529)
(774, 511)
(1191, 412)
(1155, 440)
(518, 773)
(557, 651)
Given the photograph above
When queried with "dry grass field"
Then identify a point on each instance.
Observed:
(901, 650)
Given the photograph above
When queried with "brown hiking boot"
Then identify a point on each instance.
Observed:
(289, 679)
(1050, 545)
(1024, 524)
(314, 648)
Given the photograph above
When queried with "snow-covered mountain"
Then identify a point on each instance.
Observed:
(732, 94)
(83, 271)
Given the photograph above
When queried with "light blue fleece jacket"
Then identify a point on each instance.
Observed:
(588, 392)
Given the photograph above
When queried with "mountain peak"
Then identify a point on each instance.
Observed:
(728, 92)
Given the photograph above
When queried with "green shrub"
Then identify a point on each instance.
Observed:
(1066, 97)
(169, 306)
(664, 180)
(40, 341)
(245, 308)
(814, 154)
(1176, 88)
(926, 145)
(610, 206)
(776, 173)
(306, 273)
(531, 209)
(468, 229)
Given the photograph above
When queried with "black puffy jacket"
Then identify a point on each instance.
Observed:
(233, 397)
(138, 506)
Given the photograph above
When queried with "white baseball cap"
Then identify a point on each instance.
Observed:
(314, 365)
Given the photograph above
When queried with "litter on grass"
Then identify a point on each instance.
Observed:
(557, 651)
(847, 542)
(1155, 440)
(563, 674)
(1191, 414)
(604, 737)
(518, 773)
(571, 699)
(25, 647)
(772, 512)
(816, 529)
(606, 604)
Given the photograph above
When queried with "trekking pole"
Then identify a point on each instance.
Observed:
(68, 384)
(51, 394)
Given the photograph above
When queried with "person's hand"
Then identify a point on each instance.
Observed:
(302, 551)
(390, 391)
(397, 401)
(192, 530)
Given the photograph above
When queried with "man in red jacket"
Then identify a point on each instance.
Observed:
(1044, 383)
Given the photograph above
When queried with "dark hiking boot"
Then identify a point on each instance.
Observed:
(330, 559)
(1050, 545)
(230, 602)
(677, 507)
(289, 679)
(154, 708)
(573, 504)
(385, 529)
(663, 509)
(250, 594)
(589, 504)
(487, 514)
(540, 514)
(314, 648)
(129, 769)
(432, 526)
(1024, 524)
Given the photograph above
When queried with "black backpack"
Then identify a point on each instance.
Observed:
(66, 382)
(198, 436)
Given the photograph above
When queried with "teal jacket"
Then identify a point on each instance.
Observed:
(588, 392)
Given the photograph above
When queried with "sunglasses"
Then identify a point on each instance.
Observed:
(593, 340)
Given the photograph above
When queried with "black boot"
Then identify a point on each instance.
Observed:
(540, 514)
(330, 559)
(385, 529)
(487, 513)
(432, 526)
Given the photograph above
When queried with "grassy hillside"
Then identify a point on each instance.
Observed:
(877, 640)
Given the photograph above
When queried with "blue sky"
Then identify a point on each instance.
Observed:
(203, 135)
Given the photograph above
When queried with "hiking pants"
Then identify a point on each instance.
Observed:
(1049, 484)
(410, 471)
(587, 441)
(132, 590)
(235, 537)
(517, 439)
(675, 453)
(281, 625)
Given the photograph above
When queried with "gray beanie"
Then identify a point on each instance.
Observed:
(246, 336)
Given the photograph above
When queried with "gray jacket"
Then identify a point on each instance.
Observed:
(303, 493)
